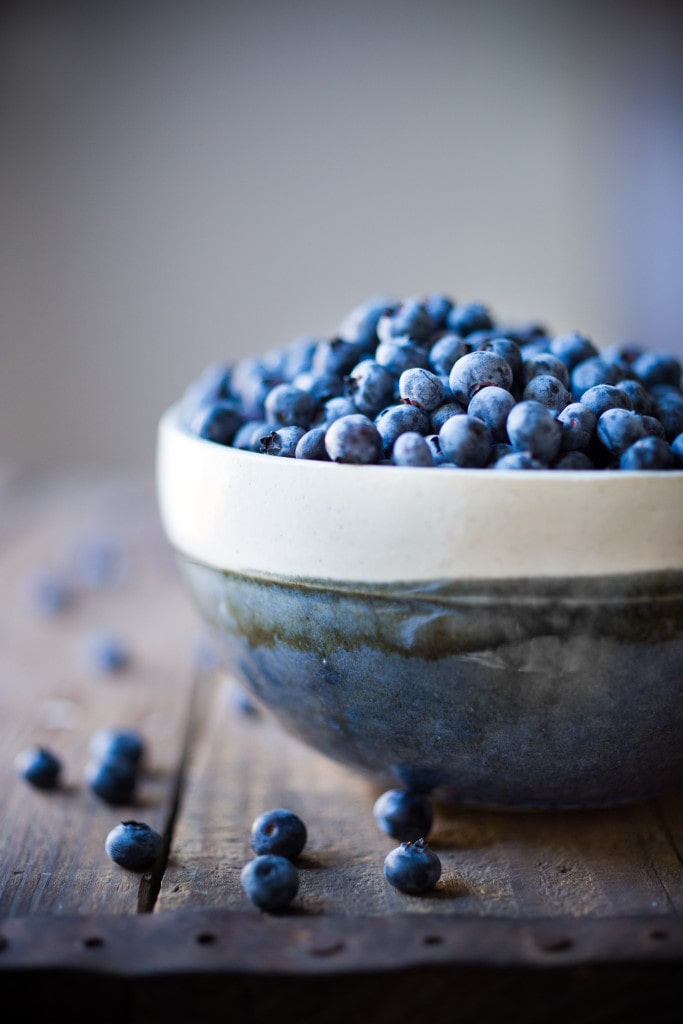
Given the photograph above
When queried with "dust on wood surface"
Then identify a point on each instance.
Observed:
(214, 767)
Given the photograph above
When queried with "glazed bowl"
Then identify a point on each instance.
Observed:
(509, 639)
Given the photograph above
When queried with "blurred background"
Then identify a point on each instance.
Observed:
(182, 182)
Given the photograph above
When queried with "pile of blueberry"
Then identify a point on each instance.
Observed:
(433, 382)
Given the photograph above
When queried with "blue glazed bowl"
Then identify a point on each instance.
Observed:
(509, 639)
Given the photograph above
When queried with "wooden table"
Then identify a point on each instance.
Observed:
(573, 916)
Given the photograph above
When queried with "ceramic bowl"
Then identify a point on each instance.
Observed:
(507, 638)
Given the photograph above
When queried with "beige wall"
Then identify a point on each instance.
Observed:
(184, 182)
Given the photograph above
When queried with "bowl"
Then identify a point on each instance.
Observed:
(505, 639)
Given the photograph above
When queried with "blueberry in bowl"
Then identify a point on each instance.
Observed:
(493, 619)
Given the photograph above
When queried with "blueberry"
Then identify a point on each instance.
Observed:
(335, 355)
(111, 741)
(105, 651)
(572, 349)
(640, 398)
(591, 372)
(668, 409)
(409, 322)
(288, 406)
(282, 442)
(422, 388)
(549, 391)
(399, 419)
(618, 429)
(336, 407)
(39, 766)
(270, 881)
(134, 845)
(578, 424)
(218, 421)
(677, 449)
(467, 317)
(476, 370)
(654, 368)
(278, 831)
(49, 591)
(370, 386)
(444, 352)
(353, 439)
(654, 427)
(444, 412)
(250, 383)
(518, 460)
(507, 349)
(112, 778)
(412, 867)
(466, 441)
(544, 364)
(403, 814)
(412, 449)
(397, 356)
(532, 428)
(648, 453)
(493, 405)
(574, 459)
(100, 560)
(438, 306)
(311, 445)
(248, 436)
(320, 386)
(359, 326)
(605, 396)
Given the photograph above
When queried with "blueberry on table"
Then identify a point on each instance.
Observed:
(403, 814)
(106, 652)
(126, 743)
(271, 882)
(278, 831)
(48, 591)
(39, 766)
(112, 779)
(412, 867)
(134, 845)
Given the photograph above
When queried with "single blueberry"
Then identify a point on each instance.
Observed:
(476, 370)
(444, 352)
(248, 436)
(353, 439)
(591, 372)
(278, 831)
(578, 424)
(320, 386)
(572, 349)
(133, 845)
(334, 408)
(493, 405)
(668, 408)
(544, 364)
(574, 459)
(439, 416)
(396, 356)
(359, 326)
(653, 368)
(100, 560)
(508, 349)
(422, 388)
(518, 460)
(337, 356)
(618, 429)
(438, 306)
(532, 428)
(601, 397)
(370, 386)
(49, 591)
(39, 766)
(467, 317)
(270, 881)
(288, 406)
(113, 741)
(403, 814)
(113, 779)
(549, 391)
(399, 419)
(648, 453)
(413, 867)
(409, 322)
(412, 449)
(466, 441)
(311, 445)
(638, 393)
(282, 442)
(105, 651)
(217, 422)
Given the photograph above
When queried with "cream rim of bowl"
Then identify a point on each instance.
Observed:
(299, 519)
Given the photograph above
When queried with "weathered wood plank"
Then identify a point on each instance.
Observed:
(601, 863)
(52, 855)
